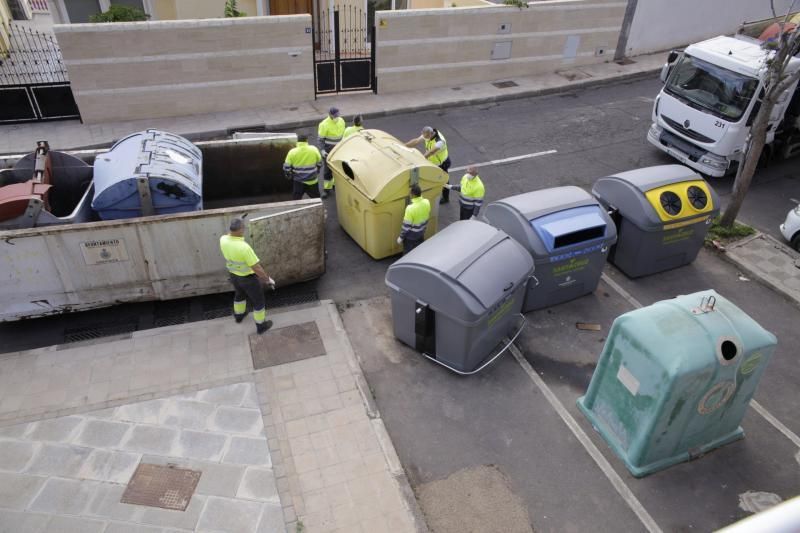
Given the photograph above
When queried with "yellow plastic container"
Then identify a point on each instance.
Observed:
(374, 173)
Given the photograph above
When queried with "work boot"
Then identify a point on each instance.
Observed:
(264, 326)
(239, 318)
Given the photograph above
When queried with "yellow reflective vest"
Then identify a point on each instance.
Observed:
(440, 156)
(330, 132)
(302, 163)
(239, 256)
(351, 130)
(472, 192)
(415, 220)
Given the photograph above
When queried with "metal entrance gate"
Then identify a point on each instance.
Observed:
(33, 79)
(344, 51)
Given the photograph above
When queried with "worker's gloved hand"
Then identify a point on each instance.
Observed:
(399, 240)
(324, 154)
(448, 186)
(474, 217)
(271, 283)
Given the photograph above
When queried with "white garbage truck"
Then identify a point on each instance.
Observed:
(711, 95)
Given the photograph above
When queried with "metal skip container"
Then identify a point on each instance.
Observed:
(567, 233)
(374, 173)
(662, 215)
(457, 296)
(675, 378)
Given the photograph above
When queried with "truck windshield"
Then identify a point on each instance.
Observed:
(718, 90)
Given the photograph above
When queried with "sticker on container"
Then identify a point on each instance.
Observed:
(104, 251)
(750, 364)
(716, 397)
(628, 380)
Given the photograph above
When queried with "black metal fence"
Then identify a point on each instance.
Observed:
(33, 78)
(344, 53)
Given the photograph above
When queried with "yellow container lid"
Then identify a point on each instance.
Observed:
(381, 167)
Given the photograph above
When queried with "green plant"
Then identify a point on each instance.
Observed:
(299, 527)
(119, 13)
(232, 10)
(725, 234)
(517, 3)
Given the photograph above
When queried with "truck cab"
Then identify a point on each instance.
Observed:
(711, 95)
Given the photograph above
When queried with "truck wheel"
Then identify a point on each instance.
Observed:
(796, 242)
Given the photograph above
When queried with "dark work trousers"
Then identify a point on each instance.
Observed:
(410, 244)
(298, 188)
(466, 212)
(445, 191)
(248, 288)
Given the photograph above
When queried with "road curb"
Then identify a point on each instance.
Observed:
(729, 255)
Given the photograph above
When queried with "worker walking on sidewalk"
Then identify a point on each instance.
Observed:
(329, 133)
(415, 220)
(435, 152)
(247, 276)
(302, 166)
(472, 193)
(355, 128)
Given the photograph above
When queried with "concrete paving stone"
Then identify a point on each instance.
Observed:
(64, 460)
(258, 484)
(224, 514)
(200, 445)
(103, 433)
(271, 519)
(251, 399)
(106, 504)
(171, 518)
(248, 451)
(14, 432)
(237, 420)
(219, 479)
(151, 439)
(232, 395)
(64, 496)
(147, 412)
(109, 465)
(74, 524)
(16, 454)
(184, 413)
(56, 429)
(18, 522)
(17, 490)
(126, 527)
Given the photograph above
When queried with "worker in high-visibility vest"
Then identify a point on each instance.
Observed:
(246, 275)
(355, 128)
(329, 133)
(435, 152)
(415, 220)
(472, 193)
(302, 166)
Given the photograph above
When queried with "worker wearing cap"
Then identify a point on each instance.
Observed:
(435, 152)
(472, 193)
(302, 166)
(246, 275)
(415, 220)
(355, 128)
(329, 133)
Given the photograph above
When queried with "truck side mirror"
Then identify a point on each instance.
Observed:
(673, 55)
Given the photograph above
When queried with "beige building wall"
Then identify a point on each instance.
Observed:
(135, 70)
(198, 9)
(452, 46)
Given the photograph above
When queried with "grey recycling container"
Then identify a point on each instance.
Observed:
(148, 173)
(662, 215)
(568, 234)
(458, 295)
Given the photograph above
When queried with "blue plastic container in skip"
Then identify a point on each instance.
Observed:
(148, 173)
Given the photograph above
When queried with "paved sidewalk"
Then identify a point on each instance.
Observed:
(292, 446)
(769, 261)
(64, 135)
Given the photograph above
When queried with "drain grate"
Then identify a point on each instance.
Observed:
(88, 333)
(505, 84)
(171, 313)
(285, 300)
(285, 345)
(163, 486)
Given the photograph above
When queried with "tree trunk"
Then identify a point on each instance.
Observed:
(747, 167)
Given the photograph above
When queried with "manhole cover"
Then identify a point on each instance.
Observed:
(285, 345)
(505, 84)
(167, 487)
